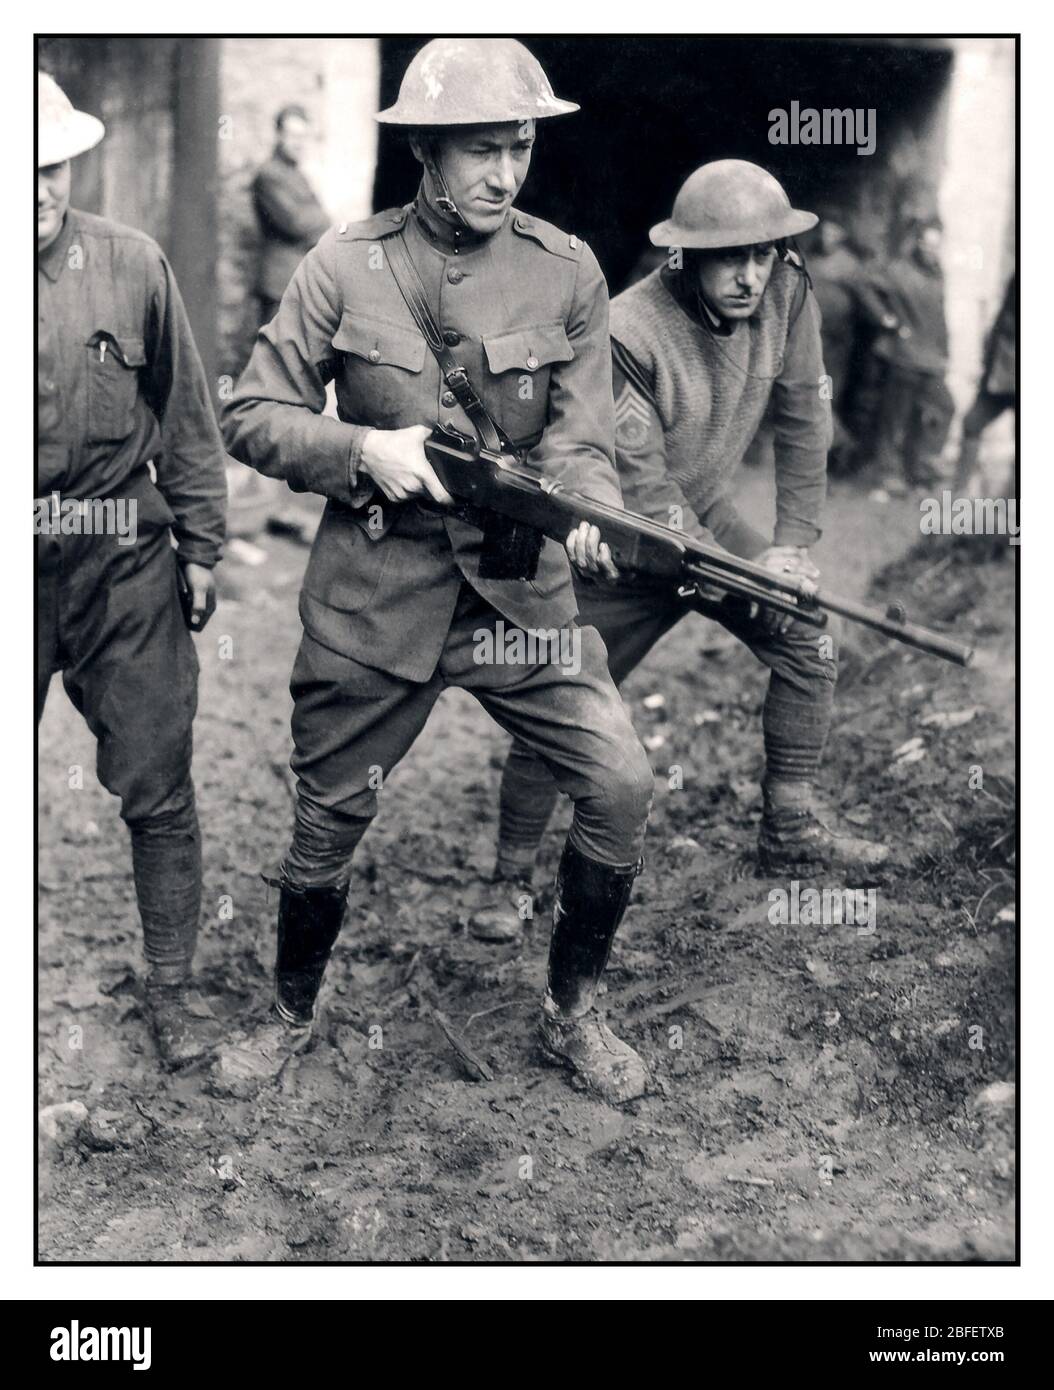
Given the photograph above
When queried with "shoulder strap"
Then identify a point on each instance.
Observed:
(407, 278)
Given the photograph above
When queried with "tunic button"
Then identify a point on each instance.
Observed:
(375, 355)
(451, 337)
(448, 399)
(455, 276)
(532, 363)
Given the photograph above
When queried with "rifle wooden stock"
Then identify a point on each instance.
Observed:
(485, 481)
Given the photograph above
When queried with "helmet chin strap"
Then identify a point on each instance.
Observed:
(440, 192)
(688, 290)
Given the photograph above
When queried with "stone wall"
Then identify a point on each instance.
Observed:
(977, 201)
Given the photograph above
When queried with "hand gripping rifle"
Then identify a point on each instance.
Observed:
(488, 484)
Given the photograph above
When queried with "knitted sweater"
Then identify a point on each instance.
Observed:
(678, 444)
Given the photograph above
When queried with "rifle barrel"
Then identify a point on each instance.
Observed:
(935, 643)
(637, 543)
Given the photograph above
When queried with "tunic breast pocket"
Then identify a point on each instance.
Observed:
(520, 363)
(114, 361)
(379, 382)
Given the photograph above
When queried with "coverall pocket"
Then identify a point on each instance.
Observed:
(520, 364)
(113, 384)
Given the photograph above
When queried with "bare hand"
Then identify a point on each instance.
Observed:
(784, 560)
(201, 586)
(588, 553)
(397, 463)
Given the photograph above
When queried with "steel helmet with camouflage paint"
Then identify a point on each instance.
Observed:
(730, 202)
(474, 82)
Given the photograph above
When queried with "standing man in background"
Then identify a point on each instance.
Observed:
(120, 386)
(916, 405)
(290, 215)
(848, 290)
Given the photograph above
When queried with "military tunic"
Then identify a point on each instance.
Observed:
(392, 595)
(120, 386)
(525, 312)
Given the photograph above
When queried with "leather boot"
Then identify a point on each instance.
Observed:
(796, 839)
(510, 902)
(185, 1029)
(591, 899)
(309, 922)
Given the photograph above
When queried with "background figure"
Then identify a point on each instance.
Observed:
(917, 407)
(854, 305)
(997, 390)
(291, 217)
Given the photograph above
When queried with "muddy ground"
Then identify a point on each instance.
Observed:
(822, 1093)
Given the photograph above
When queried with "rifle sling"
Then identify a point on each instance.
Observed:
(510, 548)
(408, 279)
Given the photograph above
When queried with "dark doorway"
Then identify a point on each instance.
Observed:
(653, 109)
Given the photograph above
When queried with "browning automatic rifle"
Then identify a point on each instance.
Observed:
(485, 483)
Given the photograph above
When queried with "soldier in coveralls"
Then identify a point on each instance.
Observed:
(391, 611)
(120, 384)
(701, 347)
